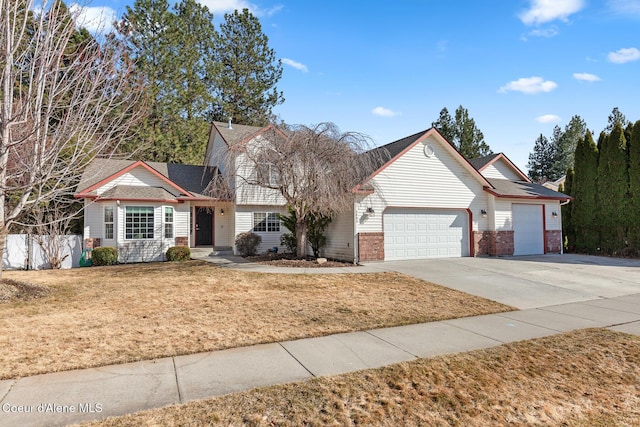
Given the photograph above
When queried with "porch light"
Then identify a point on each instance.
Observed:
(554, 214)
(221, 212)
(370, 211)
(483, 212)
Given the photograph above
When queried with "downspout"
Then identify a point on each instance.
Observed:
(356, 256)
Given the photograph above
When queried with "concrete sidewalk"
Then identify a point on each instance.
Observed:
(88, 394)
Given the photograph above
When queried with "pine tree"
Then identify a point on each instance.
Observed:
(462, 133)
(248, 71)
(567, 143)
(584, 206)
(633, 147)
(174, 53)
(613, 185)
(541, 159)
(616, 117)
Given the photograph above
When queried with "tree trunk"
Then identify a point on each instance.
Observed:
(3, 243)
(301, 238)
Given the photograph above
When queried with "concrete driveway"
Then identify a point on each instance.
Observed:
(529, 281)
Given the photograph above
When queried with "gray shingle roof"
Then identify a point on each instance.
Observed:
(506, 188)
(480, 162)
(386, 152)
(191, 178)
(137, 192)
(237, 133)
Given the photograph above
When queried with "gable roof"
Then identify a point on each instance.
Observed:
(523, 190)
(236, 133)
(482, 163)
(387, 154)
(186, 181)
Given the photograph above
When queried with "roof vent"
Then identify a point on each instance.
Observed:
(229, 125)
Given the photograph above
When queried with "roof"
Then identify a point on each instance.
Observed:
(481, 162)
(190, 178)
(386, 152)
(131, 192)
(236, 133)
(523, 190)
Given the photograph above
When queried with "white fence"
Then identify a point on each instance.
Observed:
(23, 252)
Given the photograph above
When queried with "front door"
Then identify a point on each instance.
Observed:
(204, 226)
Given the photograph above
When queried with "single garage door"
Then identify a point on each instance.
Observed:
(420, 233)
(528, 232)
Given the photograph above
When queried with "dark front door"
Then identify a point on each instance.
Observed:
(204, 227)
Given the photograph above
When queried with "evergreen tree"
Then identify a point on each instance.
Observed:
(462, 133)
(633, 147)
(584, 206)
(613, 185)
(246, 80)
(541, 159)
(616, 117)
(567, 143)
(568, 225)
(174, 53)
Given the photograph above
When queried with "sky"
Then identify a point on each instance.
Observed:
(387, 68)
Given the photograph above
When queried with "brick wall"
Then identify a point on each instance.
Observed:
(182, 241)
(371, 246)
(554, 241)
(494, 243)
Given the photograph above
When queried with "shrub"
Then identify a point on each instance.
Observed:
(178, 253)
(104, 255)
(288, 240)
(247, 243)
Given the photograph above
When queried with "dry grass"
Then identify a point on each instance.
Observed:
(583, 378)
(105, 315)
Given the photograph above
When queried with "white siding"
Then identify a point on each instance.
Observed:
(504, 219)
(92, 219)
(181, 220)
(340, 237)
(224, 226)
(501, 170)
(244, 223)
(247, 194)
(553, 223)
(217, 151)
(414, 180)
(139, 177)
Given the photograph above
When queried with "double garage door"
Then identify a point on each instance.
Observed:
(425, 233)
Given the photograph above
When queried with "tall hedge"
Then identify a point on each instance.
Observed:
(633, 218)
(568, 227)
(584, 206)
(613, 185)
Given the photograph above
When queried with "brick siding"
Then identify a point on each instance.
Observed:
(371, 246)
(554, 241)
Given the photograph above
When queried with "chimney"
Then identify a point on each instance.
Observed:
(229, 125)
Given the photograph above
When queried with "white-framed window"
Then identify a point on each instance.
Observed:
(266, 222)
(168, 222)
(267, 173)
(139, 222)
(108, 222)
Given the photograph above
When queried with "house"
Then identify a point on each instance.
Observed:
(555, 185)
(424, 200)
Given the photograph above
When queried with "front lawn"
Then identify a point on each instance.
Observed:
(583, 378)
(105, 315)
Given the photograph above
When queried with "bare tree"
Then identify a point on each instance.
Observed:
(313, 169)
(65, 100)
(52, 227)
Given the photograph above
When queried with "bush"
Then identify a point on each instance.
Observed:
(288, 240)
(104, 255)
(247, 243)
(178, 253)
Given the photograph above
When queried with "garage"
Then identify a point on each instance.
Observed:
(528, 229)
(425, 233)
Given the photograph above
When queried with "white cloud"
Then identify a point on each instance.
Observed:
(224, 6)
(587, 77)
(295, 64)
(624, 55)
(548, 118)
(624, 7)
(97, 19)
(529, 85)
(384, 112)
(546, 32)
(542, 11)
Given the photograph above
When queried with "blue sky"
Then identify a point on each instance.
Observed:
(386, 69)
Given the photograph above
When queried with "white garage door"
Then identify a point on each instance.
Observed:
(419, 233)
(528, 234)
